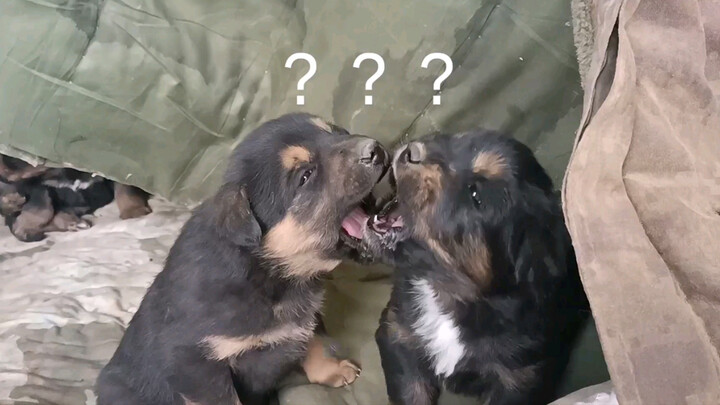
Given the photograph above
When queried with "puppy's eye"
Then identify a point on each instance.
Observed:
(306, 176)
(475, 194)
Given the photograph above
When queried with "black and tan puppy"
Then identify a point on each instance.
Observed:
(35, 200)
(235, 308)
(486, 297)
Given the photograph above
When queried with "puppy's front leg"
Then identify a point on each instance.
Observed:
(326, 370)
(132, 201)
(197, 380)
(406, 383)
(35, 215)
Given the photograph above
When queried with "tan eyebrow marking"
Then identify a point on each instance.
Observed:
(293, 156)
(490, 164)
(322, 124)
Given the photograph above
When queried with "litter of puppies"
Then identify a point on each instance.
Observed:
(35, 200)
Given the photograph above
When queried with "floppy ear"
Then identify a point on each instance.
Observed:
(541, 252)
(234, 217)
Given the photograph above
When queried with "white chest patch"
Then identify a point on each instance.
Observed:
(437, 330)
(72, 185)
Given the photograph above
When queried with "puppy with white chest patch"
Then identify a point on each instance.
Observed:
(35, 200)
(486, 299)
(236, 307)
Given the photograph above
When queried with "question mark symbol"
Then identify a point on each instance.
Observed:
(310, 73)
(381, 69)
(448, 69)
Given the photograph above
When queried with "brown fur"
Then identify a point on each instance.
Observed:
(320, 123)
(490, 165)
(398, 332)
(474, 258)
(132, 201)
(66, 221)
(11, 202)
(23, 172)
(515, 379)
(418, 393)
(293, 156)
(296, 246)
(225, 347)
(31, 220)
(327, 370)
(428, 179)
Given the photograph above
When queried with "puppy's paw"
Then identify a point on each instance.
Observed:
(136, 211)
(11, 203)
(26, 234)
(339, 373)
(68, 222)
(348, 371)
(79, 225)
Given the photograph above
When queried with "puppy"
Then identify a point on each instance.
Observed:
(486, 297)
(39, 199)
(235, 308)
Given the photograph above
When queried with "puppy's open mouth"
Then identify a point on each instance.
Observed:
(387, 224)
(352, 227)
(388, 220)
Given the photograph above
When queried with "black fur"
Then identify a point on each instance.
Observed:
(36, 200)
(219, 280)
(518, 320)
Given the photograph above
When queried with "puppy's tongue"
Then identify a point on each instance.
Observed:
(354, 222)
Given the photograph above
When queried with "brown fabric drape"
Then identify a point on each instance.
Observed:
(642, 197)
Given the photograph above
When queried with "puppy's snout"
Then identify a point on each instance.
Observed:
(413, 153)
(371, 152)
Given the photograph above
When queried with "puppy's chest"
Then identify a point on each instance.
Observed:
(435, 328)
(293, 322)
(298, 306)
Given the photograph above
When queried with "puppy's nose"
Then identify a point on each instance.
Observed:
(371, 152)
(414, 153)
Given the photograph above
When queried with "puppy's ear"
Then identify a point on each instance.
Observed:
(541, 255)
(234, 217)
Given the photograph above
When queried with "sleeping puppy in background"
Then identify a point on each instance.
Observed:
(39, 199)
(236, 306)
(486, 298)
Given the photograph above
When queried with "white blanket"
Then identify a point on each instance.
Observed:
(65, 301)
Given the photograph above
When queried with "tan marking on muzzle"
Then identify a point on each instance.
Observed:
(490, 164)
(474, 257)
(320, 123)
(298, 248)
(428, 183)
(225, 347)
(293, 156)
